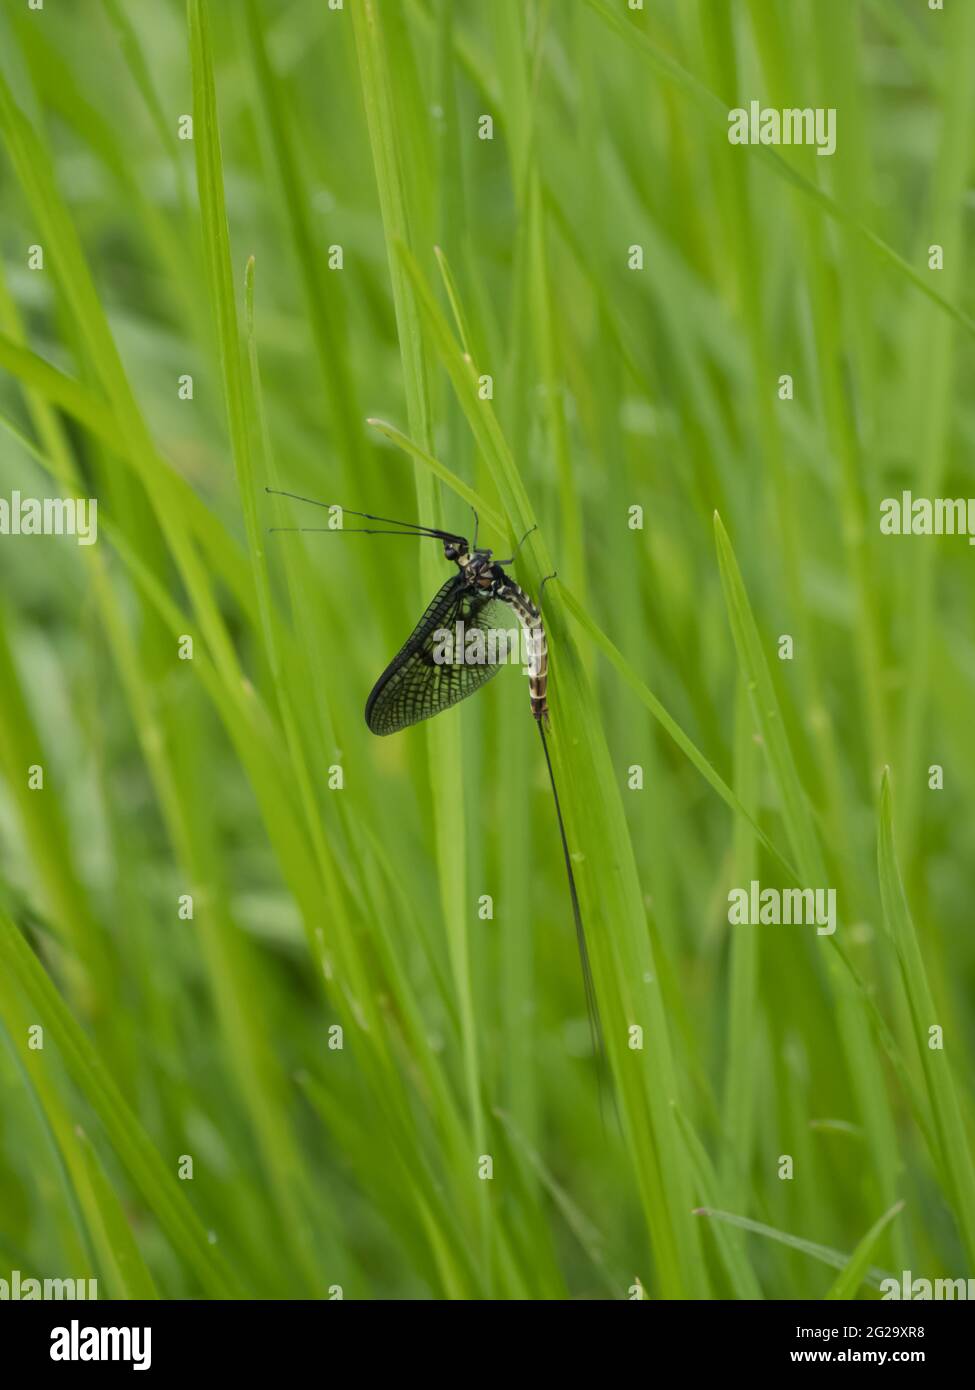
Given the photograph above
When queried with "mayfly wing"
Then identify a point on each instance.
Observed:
(415, 686)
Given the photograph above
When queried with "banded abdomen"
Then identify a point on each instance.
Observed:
(531, 620)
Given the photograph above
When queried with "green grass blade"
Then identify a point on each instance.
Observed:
(855, 1271)
(835, 1258)
(154, 1180)
(954, 1150)
(668, 67)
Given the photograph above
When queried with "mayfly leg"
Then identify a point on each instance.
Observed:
(524, 538)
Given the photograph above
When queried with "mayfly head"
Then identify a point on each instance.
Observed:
(454, 548)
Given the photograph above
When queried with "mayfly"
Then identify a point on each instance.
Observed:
(418, 683)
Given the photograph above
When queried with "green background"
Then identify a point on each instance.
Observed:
(318, 907)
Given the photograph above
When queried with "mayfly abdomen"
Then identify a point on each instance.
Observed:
(531, 620)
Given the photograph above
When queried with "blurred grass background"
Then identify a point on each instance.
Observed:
(319, 907)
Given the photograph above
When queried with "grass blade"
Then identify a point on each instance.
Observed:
(954, 1152)
(855, 1272)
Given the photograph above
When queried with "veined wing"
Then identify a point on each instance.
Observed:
(415, 685)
